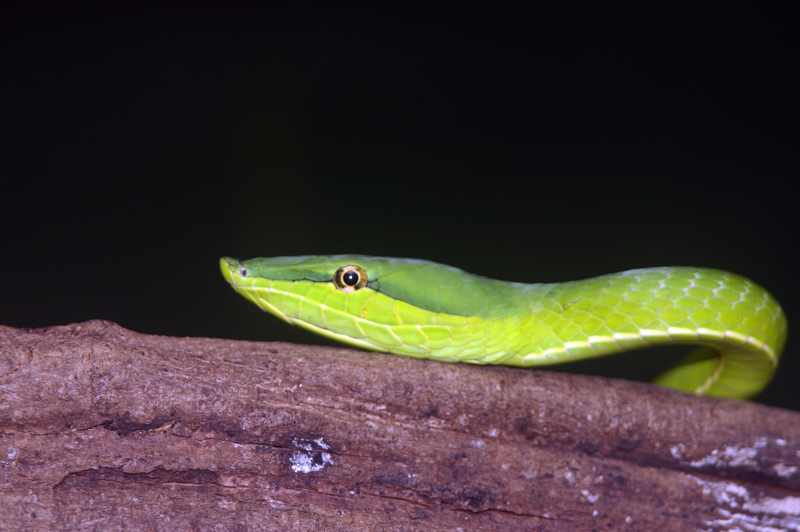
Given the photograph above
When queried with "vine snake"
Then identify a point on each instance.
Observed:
(428, 310)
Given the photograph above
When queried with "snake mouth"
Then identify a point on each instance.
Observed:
(231, 267)
(235, 274)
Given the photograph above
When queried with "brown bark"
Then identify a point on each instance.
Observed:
(103, 428)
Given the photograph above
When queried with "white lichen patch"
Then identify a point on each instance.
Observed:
(589, 496)
(567, 475)
(770, 505)
(741, 511)
(311, 445)
(677, 450)
(310, 457)
(739, 456)
(305, 462)
(740, 522)
(784, 471)
(277, 505)
(732, 456)
(726, 493)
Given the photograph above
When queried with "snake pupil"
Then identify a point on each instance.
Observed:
(351, 278)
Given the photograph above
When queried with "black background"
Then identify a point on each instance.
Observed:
(526, 144)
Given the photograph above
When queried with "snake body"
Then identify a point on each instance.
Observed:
(428, 310)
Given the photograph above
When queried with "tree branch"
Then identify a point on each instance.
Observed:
(101, 427)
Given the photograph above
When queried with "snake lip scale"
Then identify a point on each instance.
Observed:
(427, 310)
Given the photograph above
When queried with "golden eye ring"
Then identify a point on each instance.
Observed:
(350, 278)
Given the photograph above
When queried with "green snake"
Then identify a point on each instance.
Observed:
(428, 310)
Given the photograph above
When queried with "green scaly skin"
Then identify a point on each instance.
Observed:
(428, 310)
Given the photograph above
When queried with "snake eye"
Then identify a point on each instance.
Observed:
(350, 278)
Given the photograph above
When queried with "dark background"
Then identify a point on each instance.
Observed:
(526, 144)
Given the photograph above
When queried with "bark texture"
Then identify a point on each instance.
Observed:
(103, 428)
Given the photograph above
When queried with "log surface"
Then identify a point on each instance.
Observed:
(103, 428)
